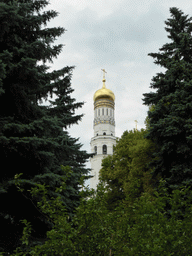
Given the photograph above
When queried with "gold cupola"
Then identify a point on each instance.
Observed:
(104, 93)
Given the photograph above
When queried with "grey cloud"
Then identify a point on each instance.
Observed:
(118, 36)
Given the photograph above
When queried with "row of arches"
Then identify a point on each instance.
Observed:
(104, 149)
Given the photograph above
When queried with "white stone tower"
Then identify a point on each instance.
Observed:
(104, 129)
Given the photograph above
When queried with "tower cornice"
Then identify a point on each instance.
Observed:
(104, 103)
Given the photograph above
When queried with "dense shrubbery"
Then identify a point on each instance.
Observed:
(142, 228)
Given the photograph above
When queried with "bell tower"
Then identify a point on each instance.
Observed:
(104, 129)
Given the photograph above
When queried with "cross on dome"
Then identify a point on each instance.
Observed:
(104, 92)
(104, 72)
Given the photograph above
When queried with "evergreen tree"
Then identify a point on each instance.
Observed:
(170, 121)
(33, 137)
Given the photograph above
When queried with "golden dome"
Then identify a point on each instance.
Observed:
(104, 93)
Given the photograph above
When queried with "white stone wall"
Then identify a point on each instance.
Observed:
(102, 128)
(96, 160)
(99, 141)
(95, 166)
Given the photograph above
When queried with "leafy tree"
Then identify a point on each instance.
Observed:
(144, 228)
(88, 233)
(33, 137)
(138, 229)
(170, 122)
(126, 172)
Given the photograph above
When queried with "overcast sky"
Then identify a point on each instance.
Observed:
(115, 35)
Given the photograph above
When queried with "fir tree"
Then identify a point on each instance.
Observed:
(170, 121)
(33, 137)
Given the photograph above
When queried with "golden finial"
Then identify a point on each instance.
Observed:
(104, 77)
(136, 124)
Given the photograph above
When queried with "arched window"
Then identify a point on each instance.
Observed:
(98, 112)
(104, 150)
(103, 111)
(104, 133)
(107, 112)
(95, 149)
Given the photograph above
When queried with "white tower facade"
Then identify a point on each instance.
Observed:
(104, 130)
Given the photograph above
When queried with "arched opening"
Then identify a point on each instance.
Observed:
(95, 148)
(104, 149)
(104, 133)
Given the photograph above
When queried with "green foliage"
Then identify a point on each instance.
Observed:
(147, 120)
(53, 209)
(170, 122)
(81, 235)
(126, 172)
(150, 232)
(143, 228)
(33, 137)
